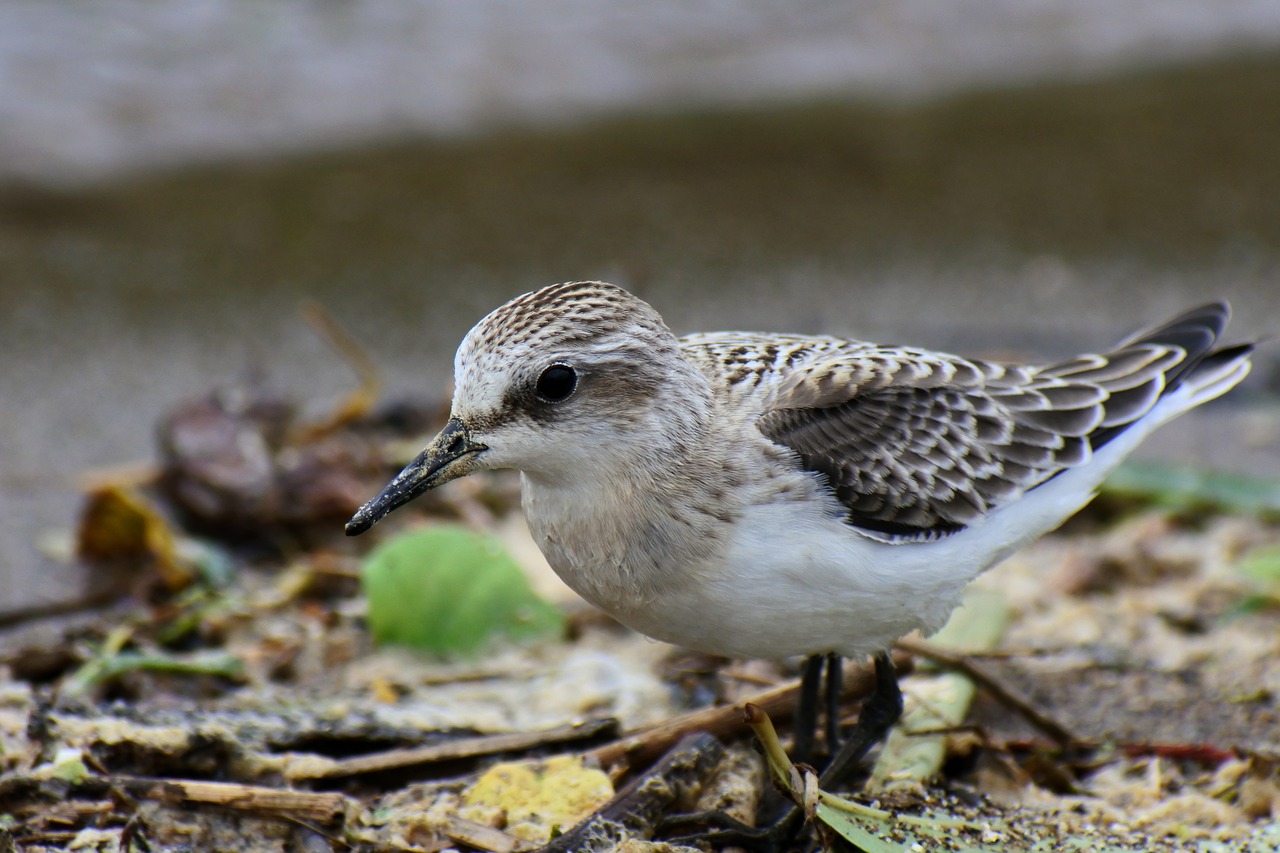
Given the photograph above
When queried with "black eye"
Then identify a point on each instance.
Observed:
(556, 383)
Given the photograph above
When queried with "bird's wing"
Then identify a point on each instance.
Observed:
(918, 444)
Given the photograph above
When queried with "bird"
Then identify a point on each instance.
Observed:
(769, 495)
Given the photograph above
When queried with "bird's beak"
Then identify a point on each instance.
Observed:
(450, 455)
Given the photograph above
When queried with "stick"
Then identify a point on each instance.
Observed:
(320, 807)
(398, 759)
(483, 837)
(641, 747)
(1003, 693)
(359, 401)
(636, 810)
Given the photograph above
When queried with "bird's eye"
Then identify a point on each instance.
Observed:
(556, 383)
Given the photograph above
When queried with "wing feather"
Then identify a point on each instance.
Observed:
(918, 444)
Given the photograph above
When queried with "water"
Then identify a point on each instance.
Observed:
(96, 86)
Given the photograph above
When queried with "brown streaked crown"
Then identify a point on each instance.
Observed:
(582, 315)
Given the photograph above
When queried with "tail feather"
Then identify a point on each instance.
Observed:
(1187, 344)
(1210, 318)
(1218, 372)
(1194, 332)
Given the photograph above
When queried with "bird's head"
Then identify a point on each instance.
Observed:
(564, 383)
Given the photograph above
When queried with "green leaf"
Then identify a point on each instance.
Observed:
(447, 591)
(851, 829)
(866, 827)
(1178, 488)
(869, 829)
(110, 665)
(69, 766)
(1262, 565)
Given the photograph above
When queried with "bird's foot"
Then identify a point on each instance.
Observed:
(717, 830)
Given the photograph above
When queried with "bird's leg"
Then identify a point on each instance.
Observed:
(879, 712)
(878, 715)
(806, 721)
(720, 830)
(835, 675)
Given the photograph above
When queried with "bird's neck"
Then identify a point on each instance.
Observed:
(621, 529)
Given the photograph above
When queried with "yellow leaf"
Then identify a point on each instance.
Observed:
(529, 799)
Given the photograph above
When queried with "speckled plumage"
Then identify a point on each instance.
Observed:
(918, 444)
(768, 495)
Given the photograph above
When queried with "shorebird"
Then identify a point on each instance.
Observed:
(763, 495)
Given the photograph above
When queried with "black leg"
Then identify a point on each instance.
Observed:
(723, 831)
(835, 675)
(879, 712)
(806, 724)
(719, 830)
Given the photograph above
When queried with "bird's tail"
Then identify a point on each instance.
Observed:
(1158, 373)
(1205, 372)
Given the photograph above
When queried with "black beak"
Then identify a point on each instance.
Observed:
(450, 455)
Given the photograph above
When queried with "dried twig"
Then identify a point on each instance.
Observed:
(399, 759)
(483, 837)
(636, 809)
(1199, 753)
(359, 401)
(1003, 693)
(133, 832)
(322, 808)
(641, 747)
(313, 829)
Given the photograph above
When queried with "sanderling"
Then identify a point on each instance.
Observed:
(760, 495)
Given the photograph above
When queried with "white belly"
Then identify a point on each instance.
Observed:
(790, 578)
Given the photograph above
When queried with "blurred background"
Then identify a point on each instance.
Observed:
(1007, 179)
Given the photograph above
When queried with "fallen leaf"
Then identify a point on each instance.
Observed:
(448, 591)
